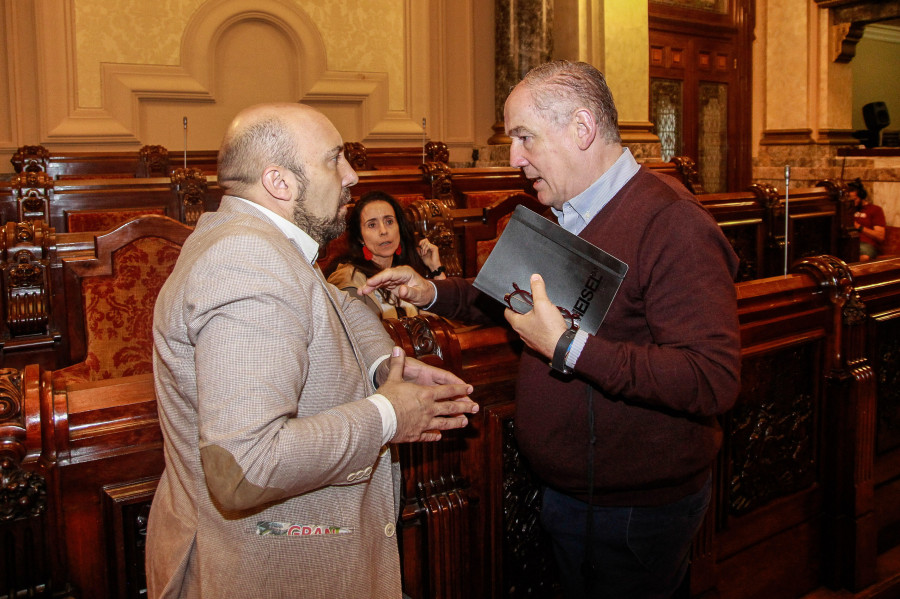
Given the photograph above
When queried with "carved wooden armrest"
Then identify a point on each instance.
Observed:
(428, 338)
(23, 491)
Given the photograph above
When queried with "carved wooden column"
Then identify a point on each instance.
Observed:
(31, 314)
(31, 159)
(190, 185)
(154, 161)
(31, 565)
(32, 191)
(850, 428)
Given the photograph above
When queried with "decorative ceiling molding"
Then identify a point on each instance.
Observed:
(861, 11)
(881, 32)
(846, 36)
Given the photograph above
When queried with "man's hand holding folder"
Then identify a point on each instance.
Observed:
(541, 328)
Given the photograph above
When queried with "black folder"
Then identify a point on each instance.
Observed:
(579, 276)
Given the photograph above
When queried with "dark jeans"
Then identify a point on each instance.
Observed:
(638, 552)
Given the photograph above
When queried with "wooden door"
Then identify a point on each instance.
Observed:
(700, 90)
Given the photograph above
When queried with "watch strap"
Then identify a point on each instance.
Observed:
(559, 354)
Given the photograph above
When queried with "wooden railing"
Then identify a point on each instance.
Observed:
(158, 161)
(805, 484)
(38, 212)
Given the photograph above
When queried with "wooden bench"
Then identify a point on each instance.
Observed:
(158, 161)
(820, 222)
(891, 245)
(75, 205)
(753, 221)
(434, 196)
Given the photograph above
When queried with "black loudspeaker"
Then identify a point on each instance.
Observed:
(875, 114)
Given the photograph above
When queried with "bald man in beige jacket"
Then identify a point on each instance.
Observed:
(279, 478)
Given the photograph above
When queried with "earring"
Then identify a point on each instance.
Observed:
(399, 248)
(367, 253)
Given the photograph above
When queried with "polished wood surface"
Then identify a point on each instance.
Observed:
(805, 486)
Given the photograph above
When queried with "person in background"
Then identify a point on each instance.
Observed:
(869, 220)
(379, 236)
(279, 395)
(620, 426)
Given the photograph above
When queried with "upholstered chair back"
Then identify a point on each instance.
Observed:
(81, 221)
(111, 295)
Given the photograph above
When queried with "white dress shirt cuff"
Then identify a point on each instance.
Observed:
(373, 369)
(433, 286)
(575, 348)
(388, 417)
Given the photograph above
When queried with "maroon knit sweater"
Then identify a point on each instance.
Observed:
(663, 365)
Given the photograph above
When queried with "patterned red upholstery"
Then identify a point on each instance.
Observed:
(118, 291)
(79, 221)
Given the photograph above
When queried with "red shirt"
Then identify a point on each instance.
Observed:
(869, 216)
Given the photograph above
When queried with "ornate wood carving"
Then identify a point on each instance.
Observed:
(743, 239)
(26, 253)
(437, 515)
(11, 412)
(32, 191)
(355, 153)
(23, 500)
(689, 174)
(427, 338)
(773, 437)
(432, 219)
(190, 185)
(529, 569)
(439, 176)
(30, 159)
(835, 277)
(437, 151)
(153, 161)
(24, 493)
(886, 364)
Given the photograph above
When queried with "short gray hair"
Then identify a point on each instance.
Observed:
(560, 87)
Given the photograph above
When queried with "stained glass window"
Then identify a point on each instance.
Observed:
(667, 115)
(713, 140)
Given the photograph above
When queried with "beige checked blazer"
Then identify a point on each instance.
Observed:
(276, 483)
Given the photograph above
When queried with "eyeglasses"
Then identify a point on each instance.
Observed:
(521, 301)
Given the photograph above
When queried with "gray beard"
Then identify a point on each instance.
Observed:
(322, 230)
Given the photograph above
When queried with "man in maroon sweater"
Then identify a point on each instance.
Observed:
(624, 420)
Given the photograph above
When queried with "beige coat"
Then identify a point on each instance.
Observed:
(261, 375)
(347, 278)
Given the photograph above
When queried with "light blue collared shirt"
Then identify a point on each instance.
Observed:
(578, 212)
(310, 249)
